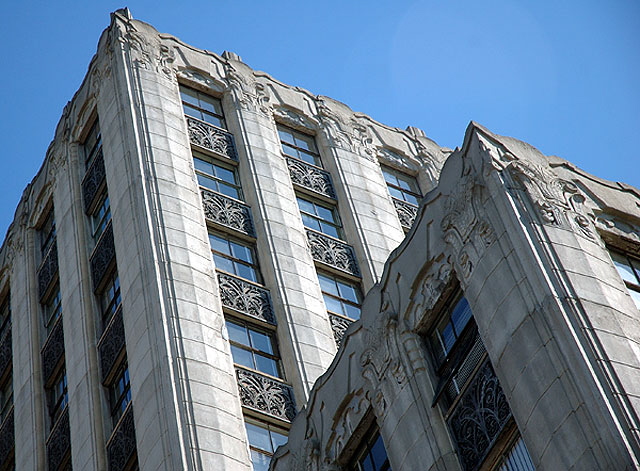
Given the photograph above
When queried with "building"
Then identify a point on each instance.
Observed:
(186, 272)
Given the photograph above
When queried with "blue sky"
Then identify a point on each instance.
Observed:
(563, 76)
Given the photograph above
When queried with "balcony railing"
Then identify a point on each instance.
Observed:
(310, 177)
(6, 355)
(121, 447)
(245, 297)
(48, 270)
(92, 182)
(406, 212)
(339, 325)
(59, 443)
(266, 395)
(227, 212)
(53, 350)
(102, 257)
(7, 438)
(211, 138)
(332, 252)
(111, 344)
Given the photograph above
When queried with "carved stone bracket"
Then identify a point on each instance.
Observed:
(48, 270)
(227, 212)
(266, 395)
(53, 350)
(122, 444)
(310, 177)
(211, 138)
(59, 442)
(332, 252)
(406, 212)
(103, 256)
(246, 298)
(6, 355)
(339, 325)
(479, 417)
(7, 438)
(92, 182)
(111, 344)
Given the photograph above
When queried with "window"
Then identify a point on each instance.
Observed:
(340, 296)
(6, 397)
(92, 145)
(449, 329)
(110, 298)
(320, 217)
(233, 256)
(120, 394)
(401, 186)
(201, 106)
(216, 176)
(629, 269)
(58, 397)
(263, 441)
(100, 218)
(47, 233)
(515, 458)
(52, 308)
(5, 315)
(372, 456)
(253, 348)
(299, 145)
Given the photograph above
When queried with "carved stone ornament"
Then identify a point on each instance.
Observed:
(111, 344)
(247, 92)
(59, 442)
(202, 80)
(227, 212)
(122, 444)
(102, 257)
(335, 129)
(346, 427)
(211, 138)
(7, 438)
(92, 182)
(479, 417)
(148, 52)
(246, 298)
(339, 325)
(48, 270)
(464, 230)
(432, 287)
(622, 234)
(407, 212)
(332, 252)
(266, 395)
(310, 177)
(557, 202)
(6, 355)
(53, 350)
(363, 140)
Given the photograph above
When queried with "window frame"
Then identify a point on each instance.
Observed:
(335, 223)
(119, 397)
(58, 400)
(415, 194)
(215, 102)
(274, 356)
(313, 154)
(270, 428)
(47, 233)
(217, 163)
(254, 265)
(52, 308)
(337, 281)
(6, 396)
(100, 217)
(370, 440)
(5, 314)
(92, 150)
(632, 266)
(110, 298)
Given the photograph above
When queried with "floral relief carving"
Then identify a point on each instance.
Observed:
(407, 212)
(7, 437)
(345, 425)
(211, 138)
(310, 177)
(53, 350)
(339, 325)
(227, 212)
(247, 92)
(48, 270)
(333, 252)
(92, 182)
(111, 344)
(6, 355)
(122, 444)
(266, 395)
(245, 297)
(59, 441)
(334, 127)
(102, 257)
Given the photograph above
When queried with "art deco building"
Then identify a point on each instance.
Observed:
(193, 257)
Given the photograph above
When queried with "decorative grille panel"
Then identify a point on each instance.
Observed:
(6, 354)
(102, 256)
(211, 138)
(53, 350)
(339, 326)
(227, 212)
(92, 182)
(406, 212)
(245, 297)
(122, 444)
(310, 177)
(59, 442)
(7, 438)
(111, 344)
(48, 270)
(266, 395)
(332, 252)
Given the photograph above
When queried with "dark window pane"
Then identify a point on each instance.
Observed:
(261, 341)
(242, 357)
(266, 365)
(237, 333)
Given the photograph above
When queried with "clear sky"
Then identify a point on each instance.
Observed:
(561, 75)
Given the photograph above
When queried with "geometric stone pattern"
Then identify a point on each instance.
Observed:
(6, 438)
(406, 212)
(93, 181)
(227, 212)
(48, 269)
(59, 442)
(122, 444)
(339, 326)
(266, 395)
(111, 344)
(479, 417)
(310, 177)
(246, 298)
(211, 138)
(333, 252)
(5, 350)
(53, 350)
(102, 256)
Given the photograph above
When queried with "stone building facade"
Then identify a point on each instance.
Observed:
(183, 267)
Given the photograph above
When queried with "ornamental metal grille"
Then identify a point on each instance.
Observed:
(92, 182)
(53, 350)
(333, 252)
(211, 138)
(406, 212)
(102, 256)
(227, 212)
(7, 438)
(479, 417)
(122, 444)
(246, 298)
(59, 442)
(339, 325)
(266, 395)
(310, 177)
(111, 344)
(6, 354)
(48, 270)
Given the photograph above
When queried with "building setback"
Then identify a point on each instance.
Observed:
(187, 271)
